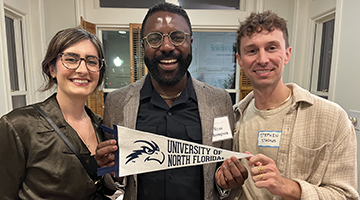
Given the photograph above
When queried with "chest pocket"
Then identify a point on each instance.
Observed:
(309, 164)
(190, 133)
(147, 128)
(194, 133)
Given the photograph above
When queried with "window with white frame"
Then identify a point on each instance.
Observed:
(322, 55)
(117, 57)
(16, 59)
(214, 60)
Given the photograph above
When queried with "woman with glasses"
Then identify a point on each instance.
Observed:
(36, 162)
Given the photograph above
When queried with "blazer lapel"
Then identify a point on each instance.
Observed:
(133, 104)
(205, 111)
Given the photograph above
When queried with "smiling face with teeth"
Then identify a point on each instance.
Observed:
(263, 57)
(80, 82)
(168, 63)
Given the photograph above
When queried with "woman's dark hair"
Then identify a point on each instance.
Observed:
(63, 40)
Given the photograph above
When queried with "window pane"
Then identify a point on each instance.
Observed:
(233, 97)
(326, 56)
(18, 101)
(128, 4)
(210, 4)
(10, 36)
(214, 58)
(117, 57)
(23, 60)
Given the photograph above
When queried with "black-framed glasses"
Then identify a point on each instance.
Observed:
(72, 61)
(155, 39)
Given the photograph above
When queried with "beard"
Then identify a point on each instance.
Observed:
(153, 68)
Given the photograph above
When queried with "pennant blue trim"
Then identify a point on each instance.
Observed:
(109, 130)
(105, 170)
(117, 153)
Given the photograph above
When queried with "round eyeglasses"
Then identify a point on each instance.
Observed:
(155, 39)
(72, 61)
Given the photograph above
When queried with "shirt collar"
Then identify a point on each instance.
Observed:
(147, 89)
(189, 92)
(190, 88)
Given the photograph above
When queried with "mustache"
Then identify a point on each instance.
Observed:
(167, 55)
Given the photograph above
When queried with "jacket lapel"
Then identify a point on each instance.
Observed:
(133, 98)
(205, 111)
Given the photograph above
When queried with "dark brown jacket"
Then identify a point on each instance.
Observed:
(35, 162)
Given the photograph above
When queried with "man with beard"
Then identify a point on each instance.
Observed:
(169, 102)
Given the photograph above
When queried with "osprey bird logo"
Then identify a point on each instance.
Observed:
(149, 148)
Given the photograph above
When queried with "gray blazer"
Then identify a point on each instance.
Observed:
(122, 105)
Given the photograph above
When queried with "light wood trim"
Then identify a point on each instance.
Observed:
(136, 72)
(95, 101)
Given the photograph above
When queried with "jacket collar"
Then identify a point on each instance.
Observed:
(300, 95)
(52, 108)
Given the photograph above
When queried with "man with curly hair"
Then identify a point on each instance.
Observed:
(304, 146)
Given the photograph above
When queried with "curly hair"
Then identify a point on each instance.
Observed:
(258, 22)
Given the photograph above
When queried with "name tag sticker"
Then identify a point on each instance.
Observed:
(222, 129)
(269, 139)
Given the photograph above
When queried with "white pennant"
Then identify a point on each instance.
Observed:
(141, 152)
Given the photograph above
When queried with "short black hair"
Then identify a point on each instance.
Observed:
(168, 7)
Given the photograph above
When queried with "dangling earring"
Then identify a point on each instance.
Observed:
(53, 76)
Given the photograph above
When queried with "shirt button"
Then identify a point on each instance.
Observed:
(169, 113)
(170, 176)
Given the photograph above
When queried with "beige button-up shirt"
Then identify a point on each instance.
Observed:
(317, 147)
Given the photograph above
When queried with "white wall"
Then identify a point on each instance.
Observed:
(284, 9)
(59, 15)
(19, 5)
(305, 13)
(347, 84)
(347, 80)
(36, 40)
(300, 46)
(4, 88)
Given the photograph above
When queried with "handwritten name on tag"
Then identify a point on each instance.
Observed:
(222, 129)
(269, 139)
